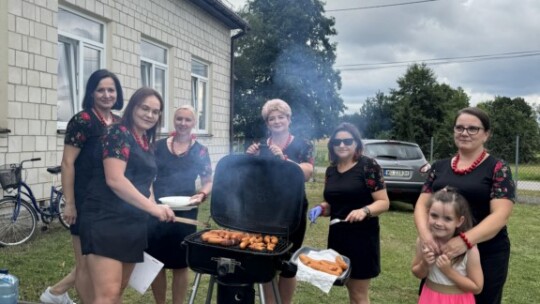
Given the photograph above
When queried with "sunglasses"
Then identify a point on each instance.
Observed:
(337, 142)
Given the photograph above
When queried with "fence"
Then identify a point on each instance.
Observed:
(526, 175)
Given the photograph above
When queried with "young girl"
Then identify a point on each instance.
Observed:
(449, 280)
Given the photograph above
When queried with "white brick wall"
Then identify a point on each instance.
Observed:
(187, 30)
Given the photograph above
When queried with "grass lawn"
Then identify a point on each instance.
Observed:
(48, 257)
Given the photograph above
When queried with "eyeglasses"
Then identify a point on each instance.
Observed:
(471, 130)
(337, 142)
(146, 109)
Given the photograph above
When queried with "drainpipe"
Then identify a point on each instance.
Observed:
(231, 96)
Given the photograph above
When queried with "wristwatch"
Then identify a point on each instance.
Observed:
(367, 211)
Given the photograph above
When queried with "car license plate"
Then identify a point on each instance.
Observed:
(397, 173)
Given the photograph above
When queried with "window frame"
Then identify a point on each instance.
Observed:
(154, 64)
(76, 62)
(206, 102)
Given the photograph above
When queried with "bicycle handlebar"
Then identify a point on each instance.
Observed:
(35, 159)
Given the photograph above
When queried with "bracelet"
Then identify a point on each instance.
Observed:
(367, 211)
(204, 195)
(322, 209)
(465, 240)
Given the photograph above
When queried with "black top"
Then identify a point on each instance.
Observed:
(177, 174)
(110, 226)
(492, 179)
(352, 189)
(84, 131)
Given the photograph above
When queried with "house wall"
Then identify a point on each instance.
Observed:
(29, 106)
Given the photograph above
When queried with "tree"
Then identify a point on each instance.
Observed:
(524, 124)
(375, 119)
(421, 107)
(287, 55)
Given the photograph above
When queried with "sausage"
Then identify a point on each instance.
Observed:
(341, 263)
(321, 265)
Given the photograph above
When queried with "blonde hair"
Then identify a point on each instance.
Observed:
(275, 105)
(188, 108)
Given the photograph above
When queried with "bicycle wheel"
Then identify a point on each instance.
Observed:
(20, 230)
(61, 207)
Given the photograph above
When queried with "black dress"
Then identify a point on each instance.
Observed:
(111, 227)
(359, 241)
(83, 131)
(176, 176)
(490, 180)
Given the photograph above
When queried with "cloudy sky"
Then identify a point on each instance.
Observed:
(486, 47)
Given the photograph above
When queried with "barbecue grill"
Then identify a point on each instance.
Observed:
(256, 195)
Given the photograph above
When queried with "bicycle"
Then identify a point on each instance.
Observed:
(18, 218)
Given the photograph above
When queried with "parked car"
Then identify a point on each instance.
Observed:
(403, 164)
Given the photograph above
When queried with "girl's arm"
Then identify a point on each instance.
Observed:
(420, 267)
(474, 280)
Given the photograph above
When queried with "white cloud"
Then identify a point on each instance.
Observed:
(439, 29)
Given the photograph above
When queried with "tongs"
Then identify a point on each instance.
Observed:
(189, 221)
(336, 220)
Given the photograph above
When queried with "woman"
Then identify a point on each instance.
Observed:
(281, 143)
(113, 230)
(103, 94)
(486, 182)
(354, 191)
(180, 160)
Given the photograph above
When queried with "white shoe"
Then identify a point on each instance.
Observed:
(48, 298)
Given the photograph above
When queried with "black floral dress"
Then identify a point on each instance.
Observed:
(492, 179)
(347, 191)
(176, 176)
(83, 131)
(111, 227)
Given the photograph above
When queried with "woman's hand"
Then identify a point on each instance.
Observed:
(356, 215)
(70, 213)
(253, 149)
(164, 213)
(197, 199)
(454, 247)
(276, 151)
(428, 242)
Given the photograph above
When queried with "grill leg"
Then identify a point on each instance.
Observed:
(195, 288)
(210, 290)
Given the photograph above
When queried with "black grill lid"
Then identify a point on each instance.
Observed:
(257, 194)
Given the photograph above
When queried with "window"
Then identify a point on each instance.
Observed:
(154, 73)
(199, 94)
(80, 53)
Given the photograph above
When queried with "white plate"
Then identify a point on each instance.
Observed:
(178, 202)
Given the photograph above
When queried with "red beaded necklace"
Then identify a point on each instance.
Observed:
(101, 119)
(143, 142)
(470, 168)
(287, 143)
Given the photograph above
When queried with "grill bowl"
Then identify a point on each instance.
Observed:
(233, 264)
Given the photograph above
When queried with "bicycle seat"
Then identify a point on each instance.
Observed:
(54, 170)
